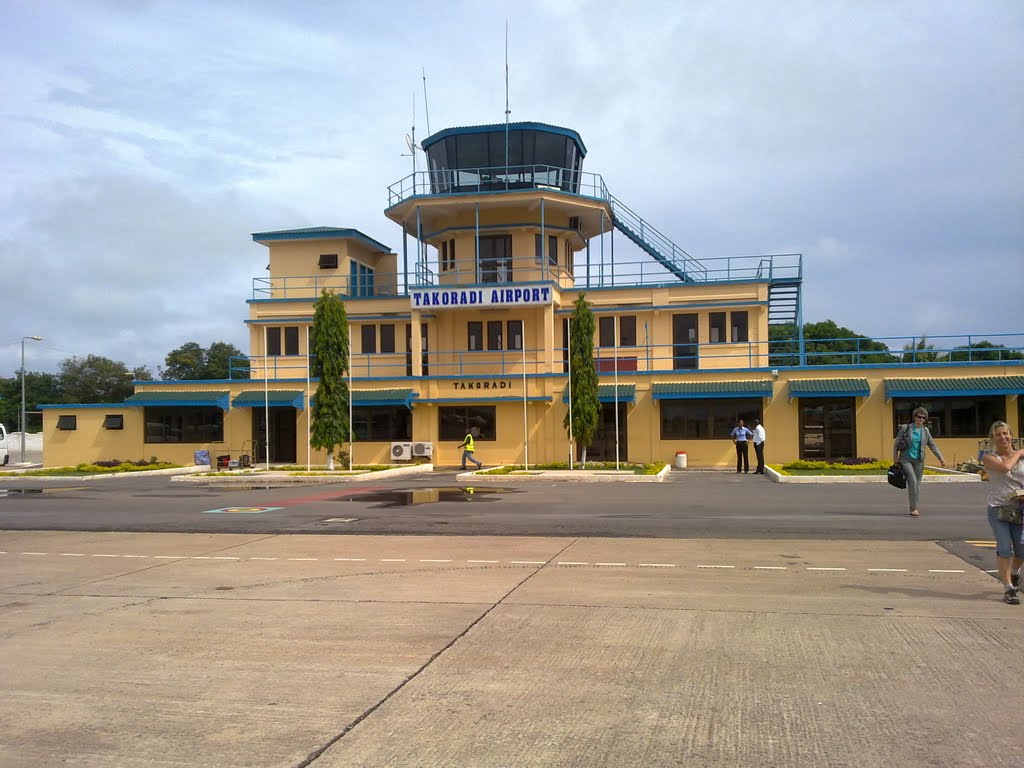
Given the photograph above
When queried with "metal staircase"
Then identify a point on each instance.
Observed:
(652, 241)
(783, 301)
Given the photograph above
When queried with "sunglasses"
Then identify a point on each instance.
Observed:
(922, 418)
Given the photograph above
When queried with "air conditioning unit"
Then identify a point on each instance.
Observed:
(401, 451)
(423, 450)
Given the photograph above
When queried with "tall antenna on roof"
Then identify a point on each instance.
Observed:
(506, 102)
(426, 107)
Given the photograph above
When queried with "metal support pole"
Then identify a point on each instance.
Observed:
(22, 423)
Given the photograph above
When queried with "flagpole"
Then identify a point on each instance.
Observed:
(266, 398)
(526, 427)
(309, 405)
(351, 446)
(615, 349)
(568, 342)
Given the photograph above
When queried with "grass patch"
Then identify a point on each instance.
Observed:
(83, 470)
(826, 468)
(591, 466)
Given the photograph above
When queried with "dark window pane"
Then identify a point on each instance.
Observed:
(67, 422)
(387, 337)
(291, 340)
(705, 419)
(455, 422)
(494, 334)
(606, 332)
(627, 331)
(738, 321)
(328, 261)
(476, 336)
(716, 327)
(953, 416)
(553, 250)
(273, 341)
(184, 425)
(369, 334)
(381, 424)
(113, 421)
(515, 334)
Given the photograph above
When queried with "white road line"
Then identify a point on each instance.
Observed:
(889, 570)
(528, 562)
(392, 559)
(104, 555)
(169, 557)
(716, 566)
(303, 558)
(769, 568)
(263, 558)
(134, 555)
(619, 564)
(657, 565)
(71, 554)
(483, 561)
(810, 568)
(351, 559)
(199, 557)
(571, 562)
(944, 570)
(225, 557)
(35, 553)
(435, 561)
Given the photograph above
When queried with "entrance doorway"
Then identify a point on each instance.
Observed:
(602, 448)
(282, 435)
(828, 429)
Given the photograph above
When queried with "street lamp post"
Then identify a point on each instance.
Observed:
(22, 425)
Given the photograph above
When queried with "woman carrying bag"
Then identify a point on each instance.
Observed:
(1005, 467)
(908, 452)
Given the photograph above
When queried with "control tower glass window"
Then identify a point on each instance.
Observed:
(496, 160)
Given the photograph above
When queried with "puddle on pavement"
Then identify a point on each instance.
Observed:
(411, 497)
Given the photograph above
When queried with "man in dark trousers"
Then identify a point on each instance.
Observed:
(741, 436)
(469, 446)
(759, 446)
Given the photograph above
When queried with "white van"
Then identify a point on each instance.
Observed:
(5, 455)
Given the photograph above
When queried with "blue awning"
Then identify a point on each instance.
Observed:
(209, 399)
(606, 393)
(257, 398)
(380, 397)
(829, 388)
(974, 386)
(709, 390)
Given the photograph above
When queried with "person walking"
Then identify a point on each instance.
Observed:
(759, 446)
(468, 447)
(1005, 467)
(908, 452)
(741, 437)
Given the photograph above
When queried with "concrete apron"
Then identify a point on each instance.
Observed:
(251, 650)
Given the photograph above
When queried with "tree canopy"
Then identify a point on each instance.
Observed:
(584, 406)
(95, 379)
(825, 344)
(330, 350)
(191, 361)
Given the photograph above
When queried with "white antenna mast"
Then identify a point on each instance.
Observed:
(506, 102)
(426, 107)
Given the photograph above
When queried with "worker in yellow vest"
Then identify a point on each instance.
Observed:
(468, 446)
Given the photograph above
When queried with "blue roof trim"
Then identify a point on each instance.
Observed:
(220, 400)
(320, 233)
(80, 406)
(484, 400)
(500, 127)
(257, 398)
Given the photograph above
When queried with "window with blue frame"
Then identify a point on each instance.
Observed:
(381, 424)
(705, 419)
(360, 279)
(952, 416)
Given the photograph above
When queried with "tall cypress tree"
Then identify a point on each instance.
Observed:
(586, 408)
(329, 341)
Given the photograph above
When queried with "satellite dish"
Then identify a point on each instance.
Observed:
(410, 144)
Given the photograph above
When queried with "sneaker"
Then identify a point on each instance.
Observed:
(1015, 579)
(1010, 596)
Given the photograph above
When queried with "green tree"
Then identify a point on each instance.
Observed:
(921, 352)
(39, 388)
(585, 408)
(983, 350)
(330, 347)
(825, 343)
(192, 362)
(95, 379)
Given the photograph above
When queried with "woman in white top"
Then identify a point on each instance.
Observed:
(1005, 467)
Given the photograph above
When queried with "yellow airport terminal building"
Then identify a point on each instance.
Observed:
(468, 326)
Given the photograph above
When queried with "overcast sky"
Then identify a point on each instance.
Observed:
(142, 142)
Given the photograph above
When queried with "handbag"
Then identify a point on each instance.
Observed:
(895, 476)
(1013, 513)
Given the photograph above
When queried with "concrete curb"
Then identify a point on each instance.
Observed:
(775, 477)
(575, 475)
(20, 475)
(249, 476)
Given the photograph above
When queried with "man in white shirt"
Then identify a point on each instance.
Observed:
(759, 447)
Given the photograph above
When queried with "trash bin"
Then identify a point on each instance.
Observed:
(680, 459)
